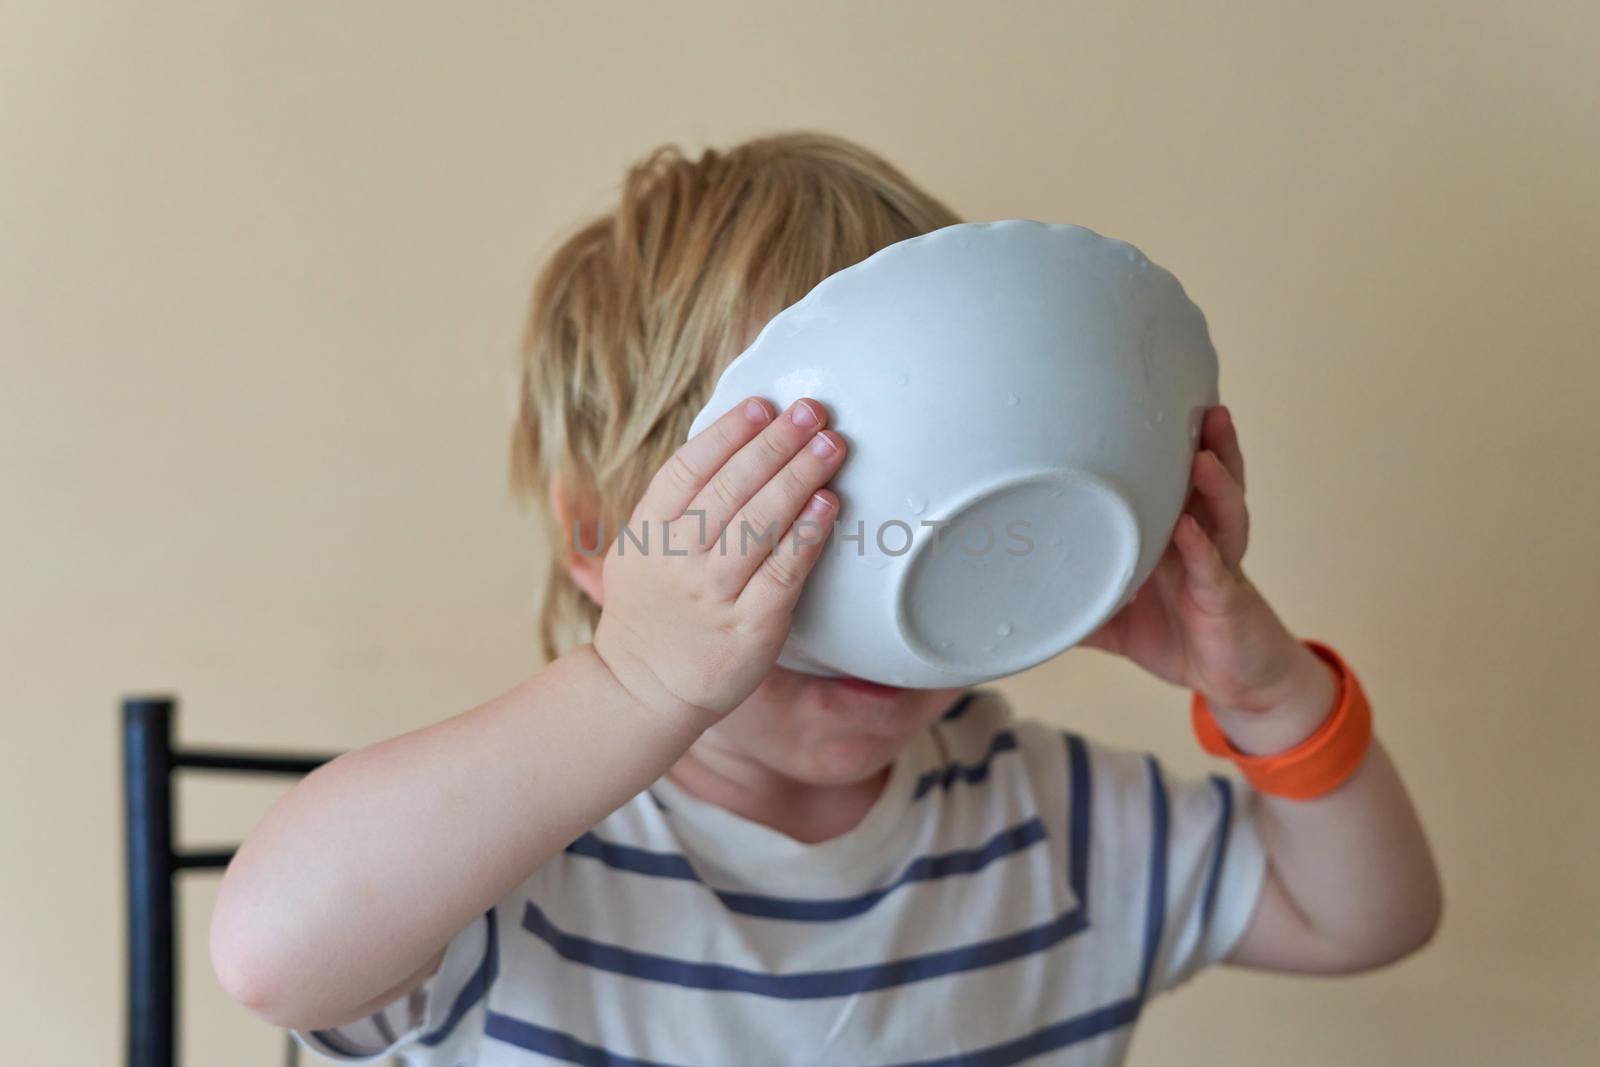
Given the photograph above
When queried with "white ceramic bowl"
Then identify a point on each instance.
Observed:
(1038, 381)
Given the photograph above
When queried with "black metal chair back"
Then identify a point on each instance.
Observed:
(149, 762)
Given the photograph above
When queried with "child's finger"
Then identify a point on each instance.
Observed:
(692, 465)
(1223, 439)
(1223, 501)
(1210, 582)
(754, 465)
(778, 580)
(754, 531)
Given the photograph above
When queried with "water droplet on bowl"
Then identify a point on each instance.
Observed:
(1012, 400)
(905, 379)
(986, 648)
(1161, 416)
(916, 504)
(946, 644)
(1005, 629)
(1054, 541)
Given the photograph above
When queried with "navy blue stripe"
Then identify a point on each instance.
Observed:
(637, 860)
(1050, 1039)
(1078, 816)
(555, 1044)
(337, 1044)
(959, 709)
(1155, 912)
(972, 774)
(385, 1031)
(477, 986)
(805, 985)
(924, 869)
(1208, 898)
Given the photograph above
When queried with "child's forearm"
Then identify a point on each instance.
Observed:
(1351, 881)
(357, 879)
(360, 876)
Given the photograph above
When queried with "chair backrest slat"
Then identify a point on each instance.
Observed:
(246, 762)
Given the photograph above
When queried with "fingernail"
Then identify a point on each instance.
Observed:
(756, 411)
(818, 504)
(803, 416)
(822, 445)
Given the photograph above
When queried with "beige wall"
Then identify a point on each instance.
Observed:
(261, 276)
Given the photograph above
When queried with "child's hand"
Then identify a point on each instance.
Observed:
(692, 631)
(1198, 621)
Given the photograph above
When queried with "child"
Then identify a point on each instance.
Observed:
(664, 849)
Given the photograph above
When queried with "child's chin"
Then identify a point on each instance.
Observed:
(848, 760)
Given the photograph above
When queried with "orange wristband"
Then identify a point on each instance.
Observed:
(1317, 765)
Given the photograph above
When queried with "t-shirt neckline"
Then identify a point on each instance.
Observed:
(778, 860)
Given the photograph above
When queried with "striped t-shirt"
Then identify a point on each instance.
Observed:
(1015, 895)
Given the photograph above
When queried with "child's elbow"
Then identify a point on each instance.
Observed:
(1430, 910)
(1430, 916)
(1415, 937)
(1404, 937)
(250, 972)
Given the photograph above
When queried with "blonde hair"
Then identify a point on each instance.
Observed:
(634, 316)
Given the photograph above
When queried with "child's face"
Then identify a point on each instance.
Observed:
(825, 731)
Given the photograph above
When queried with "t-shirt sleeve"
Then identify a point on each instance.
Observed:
(1215, 869)
(435, 1015)
(1170, 866)
(1186, 857)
